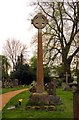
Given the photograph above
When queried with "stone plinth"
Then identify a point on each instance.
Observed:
(44, 99)
(39, 98)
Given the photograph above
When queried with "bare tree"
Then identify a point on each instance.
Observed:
(13, 49)
(63, 27)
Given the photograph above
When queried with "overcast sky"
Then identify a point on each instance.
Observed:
(15, 22)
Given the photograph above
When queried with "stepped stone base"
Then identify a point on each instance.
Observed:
(39, 98)
(44, 98)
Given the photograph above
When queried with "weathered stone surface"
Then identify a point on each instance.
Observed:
(40, 21)
(51, 88)
(39, 98)
(65, 86)
(45, 107)
(54, 100)
(33, 89)
(9, 83)
(44, 99)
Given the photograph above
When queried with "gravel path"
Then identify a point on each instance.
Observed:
(4, 98)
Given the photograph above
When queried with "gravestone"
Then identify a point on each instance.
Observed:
(9, 83)
(65, 86)
(51, 88)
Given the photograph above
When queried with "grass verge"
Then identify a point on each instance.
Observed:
(64, 110)
(5, 90)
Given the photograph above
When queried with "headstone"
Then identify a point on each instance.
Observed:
(51, 88)
(65, 86)
(9, 83)
(54, 100)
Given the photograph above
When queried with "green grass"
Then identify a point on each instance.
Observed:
(63, 111)
(4, 90)
(0, 90)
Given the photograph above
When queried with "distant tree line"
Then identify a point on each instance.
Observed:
(24, 72)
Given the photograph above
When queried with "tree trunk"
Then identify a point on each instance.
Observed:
(66, 68)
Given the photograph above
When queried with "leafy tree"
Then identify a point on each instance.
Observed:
(33, 65)
(47, 74)
(58, 70)
(5, 66)
(22, 72)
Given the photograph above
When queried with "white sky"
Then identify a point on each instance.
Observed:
(14, 23)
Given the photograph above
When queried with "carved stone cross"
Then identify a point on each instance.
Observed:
(40, 21)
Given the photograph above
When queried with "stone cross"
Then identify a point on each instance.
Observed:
(40, 21)
(67, 75)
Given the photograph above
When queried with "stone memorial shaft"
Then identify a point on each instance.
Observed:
(40, 74)
(40, 21)
(40, 96)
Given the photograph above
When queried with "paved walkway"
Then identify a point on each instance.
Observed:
(4, 98)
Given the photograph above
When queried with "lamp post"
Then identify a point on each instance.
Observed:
(40, 21)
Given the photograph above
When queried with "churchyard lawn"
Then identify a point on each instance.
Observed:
(65, 110)
(5, 90)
